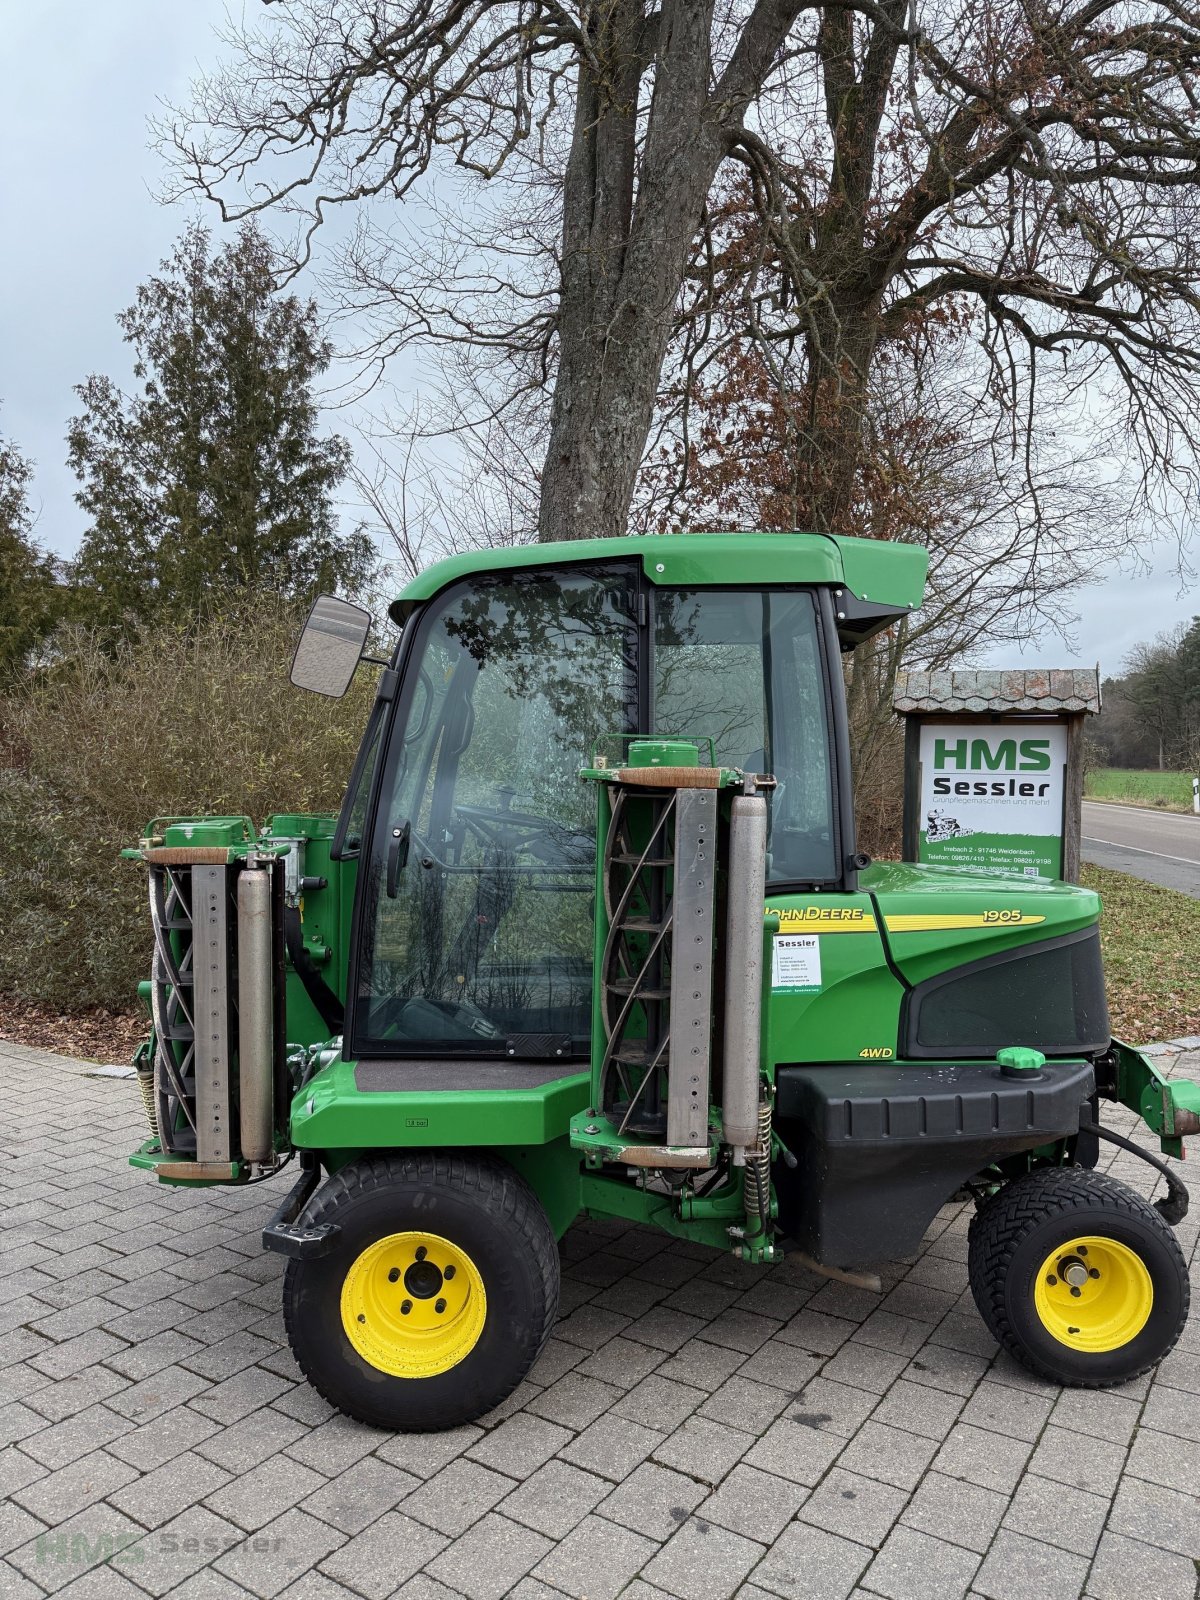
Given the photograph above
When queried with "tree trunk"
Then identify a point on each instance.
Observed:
(832, 423)
(629, 223)
(624, 260)
(843, 326)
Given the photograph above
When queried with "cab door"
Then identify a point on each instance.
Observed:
(476, 915)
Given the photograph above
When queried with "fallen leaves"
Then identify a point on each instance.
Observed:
(1150, 937)
(91, 1035)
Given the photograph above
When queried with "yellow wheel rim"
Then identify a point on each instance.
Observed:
(413, 1305)
(1093, 1294)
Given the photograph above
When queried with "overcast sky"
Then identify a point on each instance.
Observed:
(81, 229)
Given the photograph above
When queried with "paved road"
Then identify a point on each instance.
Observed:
(696, 1429)
(1159, 846)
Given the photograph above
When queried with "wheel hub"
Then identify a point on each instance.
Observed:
(423, 1280)
(413, 1304)
(1093, 1294)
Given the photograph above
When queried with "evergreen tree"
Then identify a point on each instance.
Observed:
(30, 595)
(1151, 715)
(213, 474)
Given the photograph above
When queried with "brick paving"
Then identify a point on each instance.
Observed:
(695, 1429)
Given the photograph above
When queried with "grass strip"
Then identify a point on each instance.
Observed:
(1150, 937)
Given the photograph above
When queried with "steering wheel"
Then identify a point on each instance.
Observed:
(490, 822)
(501, 828)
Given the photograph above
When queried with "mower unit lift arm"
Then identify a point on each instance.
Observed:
(1169, 1107)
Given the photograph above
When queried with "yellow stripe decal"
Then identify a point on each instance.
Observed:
(932, 922)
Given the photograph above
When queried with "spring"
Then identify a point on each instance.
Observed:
(146, 1085)
(757, 1179)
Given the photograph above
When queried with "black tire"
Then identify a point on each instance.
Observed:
(1015, 1232)
(486, 1210)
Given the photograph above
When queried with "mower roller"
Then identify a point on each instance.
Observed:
(592, 936)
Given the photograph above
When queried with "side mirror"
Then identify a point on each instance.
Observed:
(330, 646)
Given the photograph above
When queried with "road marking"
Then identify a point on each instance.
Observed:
(1188, 861)
(1143, 811)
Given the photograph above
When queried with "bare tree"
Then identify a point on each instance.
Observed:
(1011, 533)
(427, 502)
(1031, 161)
(345, 101)
(1024, 169)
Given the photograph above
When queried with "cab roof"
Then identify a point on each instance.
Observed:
(882, 581)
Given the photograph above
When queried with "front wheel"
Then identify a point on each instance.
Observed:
(437, 1297)
(1078, 1277)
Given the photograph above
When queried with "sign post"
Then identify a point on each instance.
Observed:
(994, 768)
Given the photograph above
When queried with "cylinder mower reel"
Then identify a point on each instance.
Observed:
(216, 995)
(591, 936)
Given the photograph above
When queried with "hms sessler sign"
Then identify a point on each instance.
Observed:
(992, 795)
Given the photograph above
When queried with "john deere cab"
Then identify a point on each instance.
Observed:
(592, 935)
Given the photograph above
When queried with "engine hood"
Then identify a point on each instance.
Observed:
(935, 918)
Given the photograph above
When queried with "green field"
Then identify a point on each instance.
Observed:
(1169, 791)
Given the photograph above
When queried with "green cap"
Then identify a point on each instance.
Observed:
(1018, 1061)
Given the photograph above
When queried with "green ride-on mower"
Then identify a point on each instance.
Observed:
(592, 936)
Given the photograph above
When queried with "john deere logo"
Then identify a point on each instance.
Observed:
(822, 919)
(981, 755)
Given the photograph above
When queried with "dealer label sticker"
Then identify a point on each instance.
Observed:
(796, 962)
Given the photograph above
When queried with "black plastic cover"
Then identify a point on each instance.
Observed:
(880, 1147)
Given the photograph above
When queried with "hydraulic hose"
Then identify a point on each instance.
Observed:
(1173, 1207)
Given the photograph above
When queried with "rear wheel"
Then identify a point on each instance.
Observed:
(1078, 1277)
(437, 1296)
